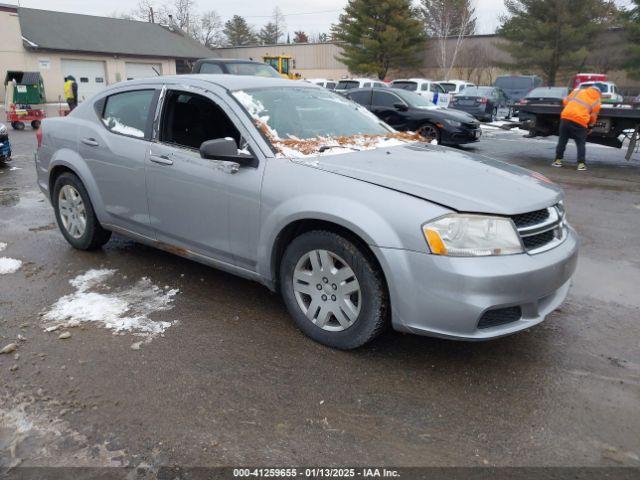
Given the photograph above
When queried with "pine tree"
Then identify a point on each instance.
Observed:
(633, 35)
(379, 35)
(553, 36)
(268, 34)
(239, 32)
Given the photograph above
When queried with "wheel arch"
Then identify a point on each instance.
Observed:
(71, 163)
(300, 226)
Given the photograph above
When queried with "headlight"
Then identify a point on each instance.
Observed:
(468, 235)
(452, 123)
(3, 129)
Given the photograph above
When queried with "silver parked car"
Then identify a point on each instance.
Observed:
(288, 184)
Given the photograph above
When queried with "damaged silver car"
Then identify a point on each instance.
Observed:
(285, 183)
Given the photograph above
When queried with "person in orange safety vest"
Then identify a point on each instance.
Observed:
(576, 120)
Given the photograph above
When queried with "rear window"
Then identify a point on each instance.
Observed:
(552, 92)
(127, 113)
(448, 87)
(515, 83)
(603, 87)
(477, 91)
(363, 97)
(411, 86)
(257, 69)
(210, 68)
(347, 84)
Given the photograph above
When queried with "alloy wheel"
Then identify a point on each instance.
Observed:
(428, 132)
(72, 211)
(327, 290)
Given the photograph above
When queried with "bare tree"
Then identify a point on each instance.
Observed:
(279, 23)
(445, 20)
(210, 29)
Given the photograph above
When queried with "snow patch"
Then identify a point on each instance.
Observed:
(123, 310)
(3, 246)
(115, 125)
(9, 265)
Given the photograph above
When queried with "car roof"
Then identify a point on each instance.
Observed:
(412, 80)
(229, 60)
(229, 82)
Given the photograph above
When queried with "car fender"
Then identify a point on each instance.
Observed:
(71, 159)
(357, 217)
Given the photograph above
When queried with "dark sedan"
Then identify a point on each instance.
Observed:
(234, 66)
(542, 96)
(485, 103)
(408, 111)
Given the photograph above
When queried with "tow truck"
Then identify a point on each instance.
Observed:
(616, 124)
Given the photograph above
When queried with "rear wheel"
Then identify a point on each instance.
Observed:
(75, 215)
(18, 125)
(494, 114)
(429, 132)
(335, 294)
(35, 124)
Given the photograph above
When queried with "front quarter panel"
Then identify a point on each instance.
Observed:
(381, 217)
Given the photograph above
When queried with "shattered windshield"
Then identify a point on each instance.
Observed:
(303, 120)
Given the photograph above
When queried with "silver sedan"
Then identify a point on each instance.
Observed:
(285, 183)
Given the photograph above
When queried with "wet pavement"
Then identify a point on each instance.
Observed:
(229, 380)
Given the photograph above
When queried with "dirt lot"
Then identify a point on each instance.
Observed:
(228, 380)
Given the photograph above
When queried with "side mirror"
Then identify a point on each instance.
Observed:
(226, 149)
(400, 107)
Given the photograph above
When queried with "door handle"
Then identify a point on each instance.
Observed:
(161, 159)
(90, 141)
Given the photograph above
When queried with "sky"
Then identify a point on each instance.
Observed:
(311, 16)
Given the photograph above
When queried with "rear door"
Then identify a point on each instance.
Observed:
(115, 147)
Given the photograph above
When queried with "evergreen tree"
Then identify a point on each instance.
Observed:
(633, 34)
(379, 35)
(238, 32)
(268, 34)
(553, 36)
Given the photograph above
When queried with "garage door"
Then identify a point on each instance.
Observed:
(90, 76)
(142, 70)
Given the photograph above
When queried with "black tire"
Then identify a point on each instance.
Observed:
(430, 132)
(18, 125)
(494, 114)
(94, 235)
(35, 124)
(372, 318)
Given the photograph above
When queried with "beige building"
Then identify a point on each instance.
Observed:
(97, 51)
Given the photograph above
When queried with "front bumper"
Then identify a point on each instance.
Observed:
(461, 135)
(447, 296)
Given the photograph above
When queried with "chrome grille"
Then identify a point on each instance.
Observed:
(541, 230)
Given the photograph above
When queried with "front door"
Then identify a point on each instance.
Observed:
(189, 196)
(383, 105)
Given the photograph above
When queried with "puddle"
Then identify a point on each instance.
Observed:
(9, 197)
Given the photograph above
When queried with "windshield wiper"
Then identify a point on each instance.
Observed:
(324, 148)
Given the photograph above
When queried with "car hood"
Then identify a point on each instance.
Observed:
(455, 179)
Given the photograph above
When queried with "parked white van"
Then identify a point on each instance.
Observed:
(425, 87)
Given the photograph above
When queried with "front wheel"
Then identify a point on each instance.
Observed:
(429, 132)
(18, 125)
(75, 215)
(334, 292)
